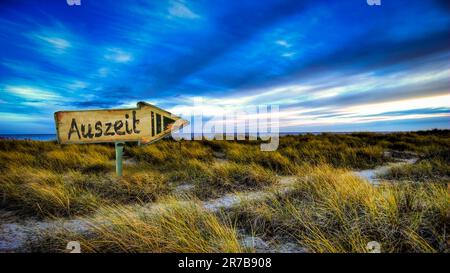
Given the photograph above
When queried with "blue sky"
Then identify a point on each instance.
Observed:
(329, 65)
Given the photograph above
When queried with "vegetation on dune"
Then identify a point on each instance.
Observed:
(51, 179)
(326, 210)
(274, 161)
(177, 226)
(433, 166)
(47, 193)
(47, 179)
(169, 154)
(58, 158)
(330, 210)
(356, 150)
(229, 177)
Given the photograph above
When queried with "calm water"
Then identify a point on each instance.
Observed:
(41, 137)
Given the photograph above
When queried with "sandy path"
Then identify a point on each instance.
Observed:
(372, 175)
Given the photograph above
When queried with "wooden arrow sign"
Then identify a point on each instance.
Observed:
(144, 124)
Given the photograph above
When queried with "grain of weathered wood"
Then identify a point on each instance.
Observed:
(113, 125)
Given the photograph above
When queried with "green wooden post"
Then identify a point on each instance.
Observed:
(119, 153)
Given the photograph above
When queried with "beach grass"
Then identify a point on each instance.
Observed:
(432, 166)
(327, 209)
(172, 226)
(331, 210)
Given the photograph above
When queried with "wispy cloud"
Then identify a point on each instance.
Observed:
(283, 43)
(180, 9)
(31, 93)
(15, 117)
(52, 40)
(118, 55)
(59, 44)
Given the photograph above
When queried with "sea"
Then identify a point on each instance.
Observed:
(40, 137)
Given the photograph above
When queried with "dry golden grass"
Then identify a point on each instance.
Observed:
(433, 166)
(331, 210)
(169, 154)
(215, 179)
(328, 210)
(172, 226)
(273, 161)
(44, 192)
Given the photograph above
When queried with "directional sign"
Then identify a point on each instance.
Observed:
(144, 124)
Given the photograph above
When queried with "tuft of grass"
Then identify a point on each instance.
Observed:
(245, 154)
(214, 179)
(51, 156)
(338, 154)
(43, 192)
(140, 186)
(330, 210)
(181, 227)
(46, 193)
(169, 154)
(229, 177)
(70, 158)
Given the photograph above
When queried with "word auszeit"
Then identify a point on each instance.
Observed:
(98, 129)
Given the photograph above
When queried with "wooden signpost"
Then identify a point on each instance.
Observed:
(144, 124)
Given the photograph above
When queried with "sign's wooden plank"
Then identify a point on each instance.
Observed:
(145, 124)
